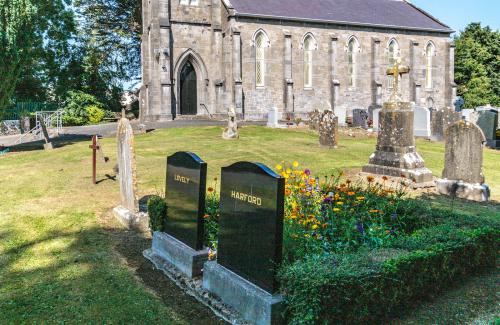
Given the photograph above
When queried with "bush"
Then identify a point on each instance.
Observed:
(157, 210)
(95, 114)
(367, 286)
(76, 108)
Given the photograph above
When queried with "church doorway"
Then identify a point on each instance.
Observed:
(188, 90)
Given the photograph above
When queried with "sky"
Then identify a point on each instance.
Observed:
(459, 13)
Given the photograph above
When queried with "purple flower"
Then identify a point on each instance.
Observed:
(327, 199)
(360, 227)
(394, 216)
(307, 172)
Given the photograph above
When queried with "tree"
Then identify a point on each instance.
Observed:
(477, 65)
(16, 35)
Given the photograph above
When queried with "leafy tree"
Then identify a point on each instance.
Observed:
(477, 65)
(15, 43)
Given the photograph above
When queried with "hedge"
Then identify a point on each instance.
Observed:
(368, 286)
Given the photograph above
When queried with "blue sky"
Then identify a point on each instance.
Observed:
(459, 13)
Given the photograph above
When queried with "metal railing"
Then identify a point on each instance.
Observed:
(51, 119)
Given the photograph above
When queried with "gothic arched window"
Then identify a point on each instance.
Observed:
(309, 47)
(352, 60)
(393, 53)
(261, 42)
(430, 51)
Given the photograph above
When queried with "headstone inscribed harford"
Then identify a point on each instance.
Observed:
(328, 130)
(463, 172)
(126, 213)
(250, 243)
(185, 195)
(251, 223)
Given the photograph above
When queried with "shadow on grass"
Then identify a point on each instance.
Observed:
(491, 208)
(58, 142)
(76, 277)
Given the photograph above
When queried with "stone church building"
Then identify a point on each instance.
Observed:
(200, 57)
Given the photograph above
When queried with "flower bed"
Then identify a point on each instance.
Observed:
(356, 253)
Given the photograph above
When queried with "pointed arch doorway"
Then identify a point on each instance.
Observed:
(188, 90)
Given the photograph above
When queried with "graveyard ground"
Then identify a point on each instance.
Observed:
(63, 258)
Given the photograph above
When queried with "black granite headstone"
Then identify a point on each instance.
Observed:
(185, 193)
(251, 223)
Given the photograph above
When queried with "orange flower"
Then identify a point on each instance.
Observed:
(370, 179)
(373, 211)
(288, 192)
(210, 189)
(385, 178)
(351, 193)
(324, 225)
(206, 216)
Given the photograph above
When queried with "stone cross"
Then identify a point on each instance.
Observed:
(397, 71)
(127, 166)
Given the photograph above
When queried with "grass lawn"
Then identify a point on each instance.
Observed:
(63, 258)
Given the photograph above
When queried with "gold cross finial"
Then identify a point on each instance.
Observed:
(397, 71)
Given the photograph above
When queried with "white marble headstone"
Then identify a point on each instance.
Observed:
(376, 119)
(341, 113)
(127, 166)
(272, 118)
(422, 122)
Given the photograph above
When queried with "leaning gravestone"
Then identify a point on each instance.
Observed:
(182, 243)
(488, 122)
(127, 212)
(422, 122)
(250, 242)
(360, 118)
(328, 130)
(463, 171)
(48, 144)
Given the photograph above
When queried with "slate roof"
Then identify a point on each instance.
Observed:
(381, 13)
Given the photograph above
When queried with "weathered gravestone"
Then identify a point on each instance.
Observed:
(396, 154)
(422, 122)
(441, 120)
(127, 212)
(250, 242)
(314, 119)
(328, 130)
(360, 118)
(487, 120)
(463, 171)
(48, 144)
(182, 243)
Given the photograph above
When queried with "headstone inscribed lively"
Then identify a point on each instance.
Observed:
(127, 166)
(464, 153)
(251, 223)
(328, 130)
(185, 195)
(422, 121)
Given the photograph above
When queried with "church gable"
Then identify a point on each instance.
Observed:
(383, 13)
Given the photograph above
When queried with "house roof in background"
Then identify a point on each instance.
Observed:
(379, 13)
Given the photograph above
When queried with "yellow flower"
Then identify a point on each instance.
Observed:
(336, 210)
(307, 235)
(314, 227)
(351, 193)
(295, 164)
(279, 167)
(340, 203)
(360, 198)
(288, 171)
(373, 211)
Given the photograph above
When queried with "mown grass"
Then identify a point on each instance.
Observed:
(57, 262)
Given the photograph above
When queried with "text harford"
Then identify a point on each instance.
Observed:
(246, 197)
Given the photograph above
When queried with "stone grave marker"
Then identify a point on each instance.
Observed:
(360, 118)
(441, 120)
(328, 130)
(376, 119)
(463, 172)
(487, 120)
(127, 211)
(341, 113)
(48, 144)
(250, 242)
(182, 243)
(314, 119)
(422, 122)
(272, 118)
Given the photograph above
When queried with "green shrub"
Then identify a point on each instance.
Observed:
(157, 210)
(364, 287)
(211, 219)
(75, 107)
(95, 114)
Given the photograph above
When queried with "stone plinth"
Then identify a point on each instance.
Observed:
(467, 191)
(254, 304)
(396, 154)
(185, 259)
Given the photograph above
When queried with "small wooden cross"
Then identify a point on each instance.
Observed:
(397, 71)
(95, 148)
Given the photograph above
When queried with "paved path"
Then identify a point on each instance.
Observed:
(109, 129)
